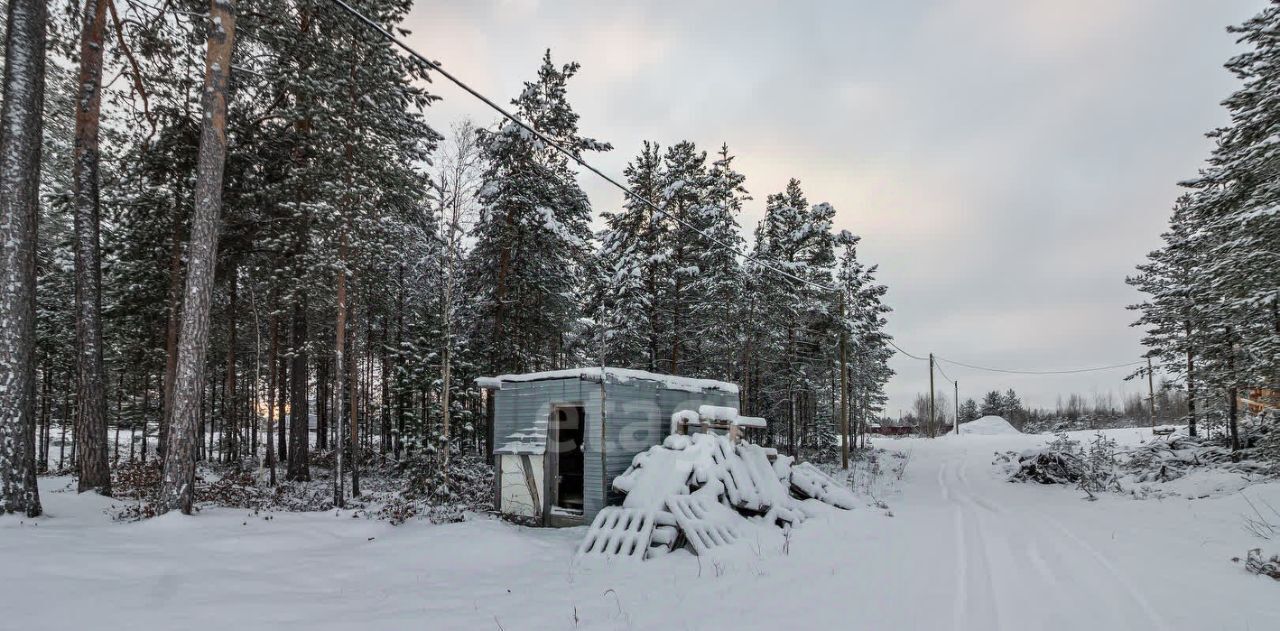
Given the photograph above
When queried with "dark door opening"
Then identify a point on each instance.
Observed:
(567, 458)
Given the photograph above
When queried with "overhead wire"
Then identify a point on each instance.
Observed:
(943, 373)
(1039, 372)
(572, 155)
(891, 343)
(647, 202)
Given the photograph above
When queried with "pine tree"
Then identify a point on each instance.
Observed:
(178, 485)
(530, 260)
(992, 404)
(683, 196)
(1213, 312)
(1011, 407)
(91, 421)
(865, 320)
(715, 326)
(20, 145)
(634, 262)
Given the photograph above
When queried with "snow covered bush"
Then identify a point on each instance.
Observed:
(1092, 468)
(1059, 462)
(1099, 471)
(1100, 465)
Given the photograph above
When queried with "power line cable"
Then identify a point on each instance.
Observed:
(891, 343)
(636, 196)
(1039, 372)
(943, 372)
(570, 154)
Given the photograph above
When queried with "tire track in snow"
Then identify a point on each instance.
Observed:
(959, 607)
(1157, 621)
(980, 609)
(1080, 558)
(1026, 599)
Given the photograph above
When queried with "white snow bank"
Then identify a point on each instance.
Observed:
(988, 426)
(615, 375)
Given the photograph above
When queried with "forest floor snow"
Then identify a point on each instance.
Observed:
(957, 547)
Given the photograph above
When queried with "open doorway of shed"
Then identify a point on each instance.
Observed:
(567, 460)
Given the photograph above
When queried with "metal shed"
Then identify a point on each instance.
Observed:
(554, 459)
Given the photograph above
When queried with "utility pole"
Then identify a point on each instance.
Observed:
(844, 390)
(957, 404)
(932, 415)
(1151, 392)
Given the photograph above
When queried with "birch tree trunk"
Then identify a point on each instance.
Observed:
(91, 419)
(20, 138)
(178, 485)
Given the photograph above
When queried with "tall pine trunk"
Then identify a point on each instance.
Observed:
(353, 400)
(172, 324)
(271, 396)
(322, 403)
(20, 138)
(231, 434)
(1191, 395)
(282, 402)
(91, 417)
(299, 431)
(178, 484)
(340, 368)
(399, 385)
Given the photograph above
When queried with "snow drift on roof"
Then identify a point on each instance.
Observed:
(717, 413)
(988, 426)
(615, 375)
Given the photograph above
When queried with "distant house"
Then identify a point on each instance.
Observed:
(1259, 400)
(555, 457)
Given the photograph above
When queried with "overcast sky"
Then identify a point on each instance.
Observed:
(1007, 162)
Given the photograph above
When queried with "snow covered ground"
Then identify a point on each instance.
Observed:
(957, 548)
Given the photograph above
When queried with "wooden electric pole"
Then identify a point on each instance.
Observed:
(956, 422)
(932, 415)
(844, 390)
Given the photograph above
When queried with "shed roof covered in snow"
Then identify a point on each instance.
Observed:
(613, 375)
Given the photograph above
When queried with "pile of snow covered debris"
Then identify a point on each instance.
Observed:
(701, 490)
(1100, 464)
(1066, 461)
(1255, 563)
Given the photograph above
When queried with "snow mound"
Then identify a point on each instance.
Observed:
(988, 426)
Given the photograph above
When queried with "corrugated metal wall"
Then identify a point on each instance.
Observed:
(638, 416)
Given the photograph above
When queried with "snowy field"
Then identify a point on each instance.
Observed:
(957, 548)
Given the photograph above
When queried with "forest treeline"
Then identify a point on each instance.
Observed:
(226, 222)
(1074, 411)
(1211, 312)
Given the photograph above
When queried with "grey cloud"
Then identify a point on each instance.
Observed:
(1006, 161)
